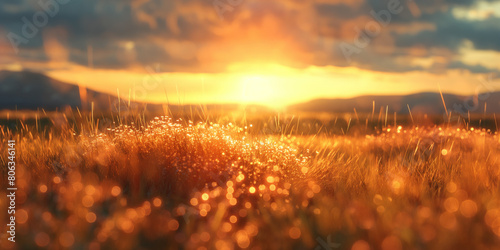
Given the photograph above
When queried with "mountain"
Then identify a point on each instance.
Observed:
(423, 103)
(29, 91)
(26, 90)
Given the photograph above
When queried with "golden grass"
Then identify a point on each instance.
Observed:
(171, 184)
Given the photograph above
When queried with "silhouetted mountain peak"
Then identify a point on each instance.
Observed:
(425, 102)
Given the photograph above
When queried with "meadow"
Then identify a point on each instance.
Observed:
(267, 182)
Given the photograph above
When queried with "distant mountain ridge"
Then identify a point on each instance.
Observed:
(25, 90)
(424, 103)
(30, 91)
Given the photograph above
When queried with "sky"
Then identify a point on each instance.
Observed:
(255, 51)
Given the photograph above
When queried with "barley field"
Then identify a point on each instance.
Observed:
(173, 183)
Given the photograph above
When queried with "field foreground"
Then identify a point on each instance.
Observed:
(174, 184)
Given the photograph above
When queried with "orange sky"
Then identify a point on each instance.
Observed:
(271, 53)
(271, 84)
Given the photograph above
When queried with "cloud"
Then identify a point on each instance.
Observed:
(451, 33)
(190, 36)
(476, 68)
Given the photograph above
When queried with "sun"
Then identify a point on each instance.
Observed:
(258, 89)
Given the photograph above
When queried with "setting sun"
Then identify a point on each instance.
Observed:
(258, 89)
(250, 124)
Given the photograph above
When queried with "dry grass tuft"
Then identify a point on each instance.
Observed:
(171, 184)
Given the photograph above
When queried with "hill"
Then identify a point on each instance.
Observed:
(26, 90)
(425, 103)
(30, 91)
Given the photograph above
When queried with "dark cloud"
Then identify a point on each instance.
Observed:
(477, 68)
(338, 11)
(451, 33)
(178, 33)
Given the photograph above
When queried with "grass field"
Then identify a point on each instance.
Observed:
(277, 184)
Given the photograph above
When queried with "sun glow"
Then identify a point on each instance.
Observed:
(268, 84)
(257, 89)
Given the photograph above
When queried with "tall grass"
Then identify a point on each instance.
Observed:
(179, 184)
